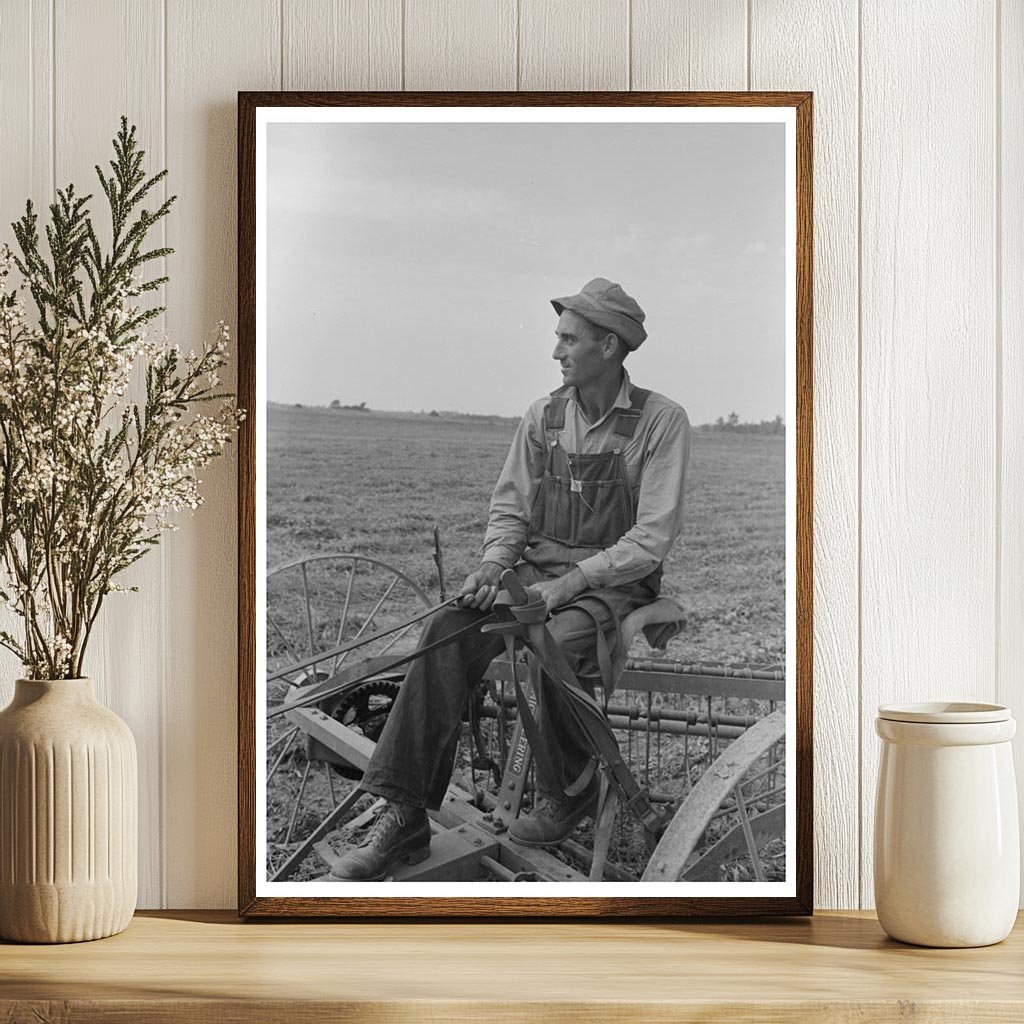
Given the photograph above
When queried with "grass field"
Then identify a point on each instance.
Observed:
(375, 483)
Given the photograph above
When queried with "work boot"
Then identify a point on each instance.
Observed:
(554, 818)
(400, 834)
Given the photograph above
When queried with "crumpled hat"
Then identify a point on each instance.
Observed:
(604, 303)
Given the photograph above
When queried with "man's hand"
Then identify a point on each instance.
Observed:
(562, 591)
(481, 587)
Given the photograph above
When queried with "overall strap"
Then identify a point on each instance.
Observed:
(554, 411)
(627, 419)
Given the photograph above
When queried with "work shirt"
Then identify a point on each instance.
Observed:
(655, 458)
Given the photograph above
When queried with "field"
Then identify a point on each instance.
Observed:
(376, 483)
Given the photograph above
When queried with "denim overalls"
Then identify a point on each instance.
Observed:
(585, 503)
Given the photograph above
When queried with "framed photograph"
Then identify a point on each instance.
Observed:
(525, 504)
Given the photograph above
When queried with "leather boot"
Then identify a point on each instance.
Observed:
(401, 834)
(555, 818)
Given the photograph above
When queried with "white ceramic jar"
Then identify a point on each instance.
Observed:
(947, 846)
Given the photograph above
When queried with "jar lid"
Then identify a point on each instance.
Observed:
(945, 712)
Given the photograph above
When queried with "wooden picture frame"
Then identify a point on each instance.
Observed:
(256, 895)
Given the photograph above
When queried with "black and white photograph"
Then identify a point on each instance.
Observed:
(525, 502)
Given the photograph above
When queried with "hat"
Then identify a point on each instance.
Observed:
(607, 305)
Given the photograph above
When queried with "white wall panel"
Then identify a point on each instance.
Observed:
(814, 46)
(127, 666)
(26, 165)
(26, 105)
(919, 571)
(1010, 314)
(928, 516)
(213, 51)
(342, 44)
(460, 44)
(573, 44)
(689, 44)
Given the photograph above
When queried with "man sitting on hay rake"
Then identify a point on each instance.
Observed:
(585, 511)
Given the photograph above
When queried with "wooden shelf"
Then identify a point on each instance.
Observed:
(209, 966)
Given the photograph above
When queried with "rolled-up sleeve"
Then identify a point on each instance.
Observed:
(508, 521)
(659, 518)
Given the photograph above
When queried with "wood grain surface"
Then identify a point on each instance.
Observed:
(209, 967)
(1010, 369)
(342, 44)
(130, 34)
(784, 55)
(26, 129)
(928, 367)
(229, 45)
(699, 44)
(469, 45)
(573, 44)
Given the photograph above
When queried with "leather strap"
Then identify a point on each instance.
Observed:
(609, 664)
(554, 411)
(627, 420)
(585, 711)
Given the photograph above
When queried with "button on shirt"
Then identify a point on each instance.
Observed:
(655, 458)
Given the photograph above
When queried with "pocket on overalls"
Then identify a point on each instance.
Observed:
(552, 509)
(600, 513)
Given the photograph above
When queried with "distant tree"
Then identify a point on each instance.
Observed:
(732, 425)
(335, 404)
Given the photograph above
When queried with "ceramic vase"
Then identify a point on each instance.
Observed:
(947, 847)
(68, 815)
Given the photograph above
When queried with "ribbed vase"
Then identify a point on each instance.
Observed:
(68, 815)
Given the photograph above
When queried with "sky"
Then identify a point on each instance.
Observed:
(410, 266)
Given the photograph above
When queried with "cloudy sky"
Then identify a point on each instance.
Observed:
(410, 265)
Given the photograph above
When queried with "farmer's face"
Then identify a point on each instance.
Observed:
(583, 354)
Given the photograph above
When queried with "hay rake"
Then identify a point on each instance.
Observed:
(706, 745)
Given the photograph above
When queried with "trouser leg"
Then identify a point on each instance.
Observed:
(415, 754)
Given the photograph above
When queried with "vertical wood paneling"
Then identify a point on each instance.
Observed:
(26, 106)
(814, 46)
(1010, 681)
(941, 454)
(460, 44)
(689, 44)
(213, 51)
(127, 667)
(26, 167)
(928, 455)
(342, 44)
(574, 44)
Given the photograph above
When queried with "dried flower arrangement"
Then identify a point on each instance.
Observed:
(89, 477)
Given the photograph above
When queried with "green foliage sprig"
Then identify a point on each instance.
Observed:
(88, 477)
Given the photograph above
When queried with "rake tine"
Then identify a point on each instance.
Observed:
(280, 757)
(298, 801)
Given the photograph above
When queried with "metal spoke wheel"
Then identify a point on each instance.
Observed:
(732, 824)
(315, 606)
